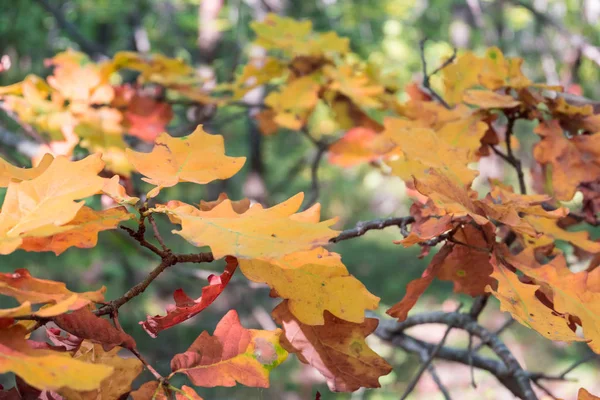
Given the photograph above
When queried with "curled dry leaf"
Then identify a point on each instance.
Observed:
(153, 390)
(198, 158)
(86, 325)
(313, 281)
(185, 307)
(256, 234)
(233, 354)
(337, 349)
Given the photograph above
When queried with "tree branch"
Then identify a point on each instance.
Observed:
(364, 226)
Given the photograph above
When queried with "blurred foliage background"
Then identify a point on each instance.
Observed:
(214, 35)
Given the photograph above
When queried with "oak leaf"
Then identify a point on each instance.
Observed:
(38, 367)
(27, 289)
(30, 207)
(294, 102)
(336, 349)
(239, 206)
(585, 395)
(487, 99)
(520, 300)
(313, 281)
(81, 232)
(551, 231)
(186, 307)
(233, 354)
(155, 68)
(358, 145)
(147, 118)
(257, 233)
(125, 370)
(9, 172)
(199, 158)
(153, 390)
(572, 160)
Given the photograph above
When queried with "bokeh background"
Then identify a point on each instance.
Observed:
(553, 36)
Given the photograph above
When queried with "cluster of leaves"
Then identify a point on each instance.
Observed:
(502, 244)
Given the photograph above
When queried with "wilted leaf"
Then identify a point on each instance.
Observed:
(185, 307)
(257, 233)
(38, 368)
(81, 232)
(233, 354)
(336, 349)
(312, 282)
(27, 289)
(85, 325)
(199, 158)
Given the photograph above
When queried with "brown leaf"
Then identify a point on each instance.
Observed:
(336, 349)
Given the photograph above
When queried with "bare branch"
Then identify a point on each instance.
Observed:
(427, 76)
(363, 227)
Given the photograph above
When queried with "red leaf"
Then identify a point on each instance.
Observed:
(185, 307)
(147, 117)
(84, 324)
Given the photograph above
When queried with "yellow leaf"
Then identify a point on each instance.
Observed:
(199, 158)
(257, 233)
(9, 172)
(487, 99)
(47, 369)
(313, 281)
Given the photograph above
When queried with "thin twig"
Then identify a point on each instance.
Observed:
(426, 76)
(438, 382)
(470, 351)
(157, 233)
(149, 367)
(314, 177)
(364, 226)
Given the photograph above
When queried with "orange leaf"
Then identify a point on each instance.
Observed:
(551, 231)
(358, 145)
(312, 282)
(233, 354)
(336, 349)
(198, 157)
(239, 206)
(155, 391)
(9, 172)
(38, 368)
(417, 287)
(38, 207)
(85, 325)
(572, 161)
(185, 307)
(257, 233)
(81, 232)
(585, 395)
(147, 118)
(25, 288)
(486, 99)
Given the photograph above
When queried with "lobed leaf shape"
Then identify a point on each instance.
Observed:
(118, 384)
(423, 149)
(40, 206)
(113, 189)
(29, 290)
(551, 231)
(198, 158)
(255, 234)
(520, 300)
(86, 325)
(9, 172)
(81, 232)
(233, 354)
(37, 367)
(571, 293)
(154, 390)
(186, 307)
(337, 349)
(313, 281)
(572, 160)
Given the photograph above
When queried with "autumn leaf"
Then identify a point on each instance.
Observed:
(113, 189)
(520, 300)
(27, 289)
(551, 231)
(199, 158)
(355, 85)
(239, 206)
(568, 161)
(417, 287)
(155, 68)
(153, 390)
(147, 118)
(185, 307)
(257, 73)
(9, 172)
(258, 233)
(358, 145)
(81, 232)
(38, 367)
(336, 349)
(487, 99)
(233, 355)
(84, 324)
(293, 103)
(312, 282)
(30, 207)
(125, 370)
